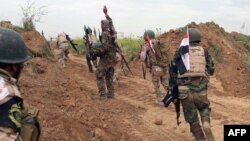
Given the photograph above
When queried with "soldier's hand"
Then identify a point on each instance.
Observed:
(105, 10)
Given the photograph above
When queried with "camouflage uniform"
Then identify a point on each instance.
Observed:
(159, 71)
(63, 46)
(15, 122)
(9, 93)
(89, 57)
(192, 87)
(105, 68)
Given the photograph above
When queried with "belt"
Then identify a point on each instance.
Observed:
(190, 80)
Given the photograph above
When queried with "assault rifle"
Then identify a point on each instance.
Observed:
(71, 42)
(172, 94)
(123, 58)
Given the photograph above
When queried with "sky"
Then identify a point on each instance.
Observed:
(131, 17)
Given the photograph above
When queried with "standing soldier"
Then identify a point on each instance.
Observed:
(16, 123)
(63, 45)
(156, 64)
(107, 54)
(90, 39)
(193, 84)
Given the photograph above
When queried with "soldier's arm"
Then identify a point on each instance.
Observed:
(209, 63)
(144, 51)
(108, 18)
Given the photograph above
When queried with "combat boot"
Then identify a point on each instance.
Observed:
(197, 131)
(208, 132)
(111, 96)
(102, 96)
(158, 100)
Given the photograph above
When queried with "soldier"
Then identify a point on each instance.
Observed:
(107, 54)
(89, 40)
(63, 45)
(192, 87)
(13, 126)
(159, 70)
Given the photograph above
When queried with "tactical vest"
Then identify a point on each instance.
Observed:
(197, 63)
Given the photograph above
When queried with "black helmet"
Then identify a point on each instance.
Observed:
(12, 47)
(194, 35)
(150, 33)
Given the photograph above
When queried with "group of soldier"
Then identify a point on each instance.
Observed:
(192, 83)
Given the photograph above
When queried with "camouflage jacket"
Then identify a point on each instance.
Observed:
(107, 52)
(151, 58)
(11, 103)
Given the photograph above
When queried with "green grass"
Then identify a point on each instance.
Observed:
(244, 41)
(131, 47)
(80, 46)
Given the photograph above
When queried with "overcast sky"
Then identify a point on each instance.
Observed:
(131, 16)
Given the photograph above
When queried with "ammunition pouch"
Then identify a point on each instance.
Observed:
(196, 84)
(197, 88)
(31, 129)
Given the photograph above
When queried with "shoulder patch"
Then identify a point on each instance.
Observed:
(4, 92)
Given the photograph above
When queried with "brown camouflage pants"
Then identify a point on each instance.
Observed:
(192, 103)
(159, 75)
(63, 55)
(104, 78)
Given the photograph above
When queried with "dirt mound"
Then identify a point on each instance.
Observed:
(69, 110)
(231, 57)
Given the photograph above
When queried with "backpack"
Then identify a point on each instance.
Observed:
(165, 54)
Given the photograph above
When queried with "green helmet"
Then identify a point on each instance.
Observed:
(12, 47)
(150, 33)
(194, 35)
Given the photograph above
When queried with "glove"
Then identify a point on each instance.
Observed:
(105, 10)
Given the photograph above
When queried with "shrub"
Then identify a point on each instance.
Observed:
(80, 45)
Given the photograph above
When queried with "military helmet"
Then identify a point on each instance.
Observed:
(194, 35)
(150, 33)
(12, 47)
(105, 25)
